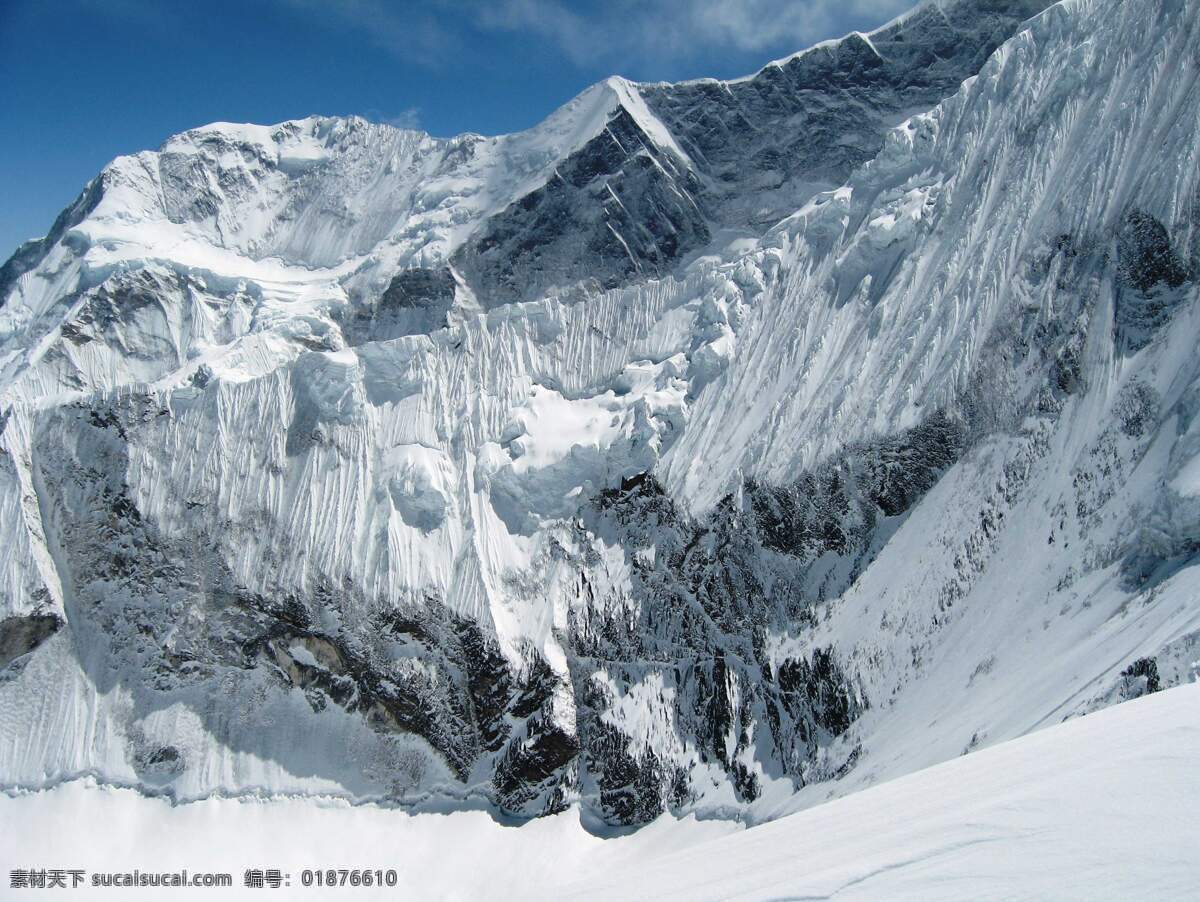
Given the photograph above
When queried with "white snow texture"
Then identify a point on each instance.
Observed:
(589, 470)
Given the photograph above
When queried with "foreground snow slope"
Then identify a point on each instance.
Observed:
(705, 444)
(1100, 807)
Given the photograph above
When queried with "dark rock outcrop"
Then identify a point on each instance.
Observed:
(762, 145)
(1148, 268)
(21, 635)
(415, 303)
(619, 208)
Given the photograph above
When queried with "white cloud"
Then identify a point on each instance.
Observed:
(629, 30)
(419, 32)
(409, 118)
(434, 33)
(606, 32)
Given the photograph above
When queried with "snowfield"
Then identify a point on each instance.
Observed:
(1100, 807)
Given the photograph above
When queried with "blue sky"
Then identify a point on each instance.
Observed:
(85, 80)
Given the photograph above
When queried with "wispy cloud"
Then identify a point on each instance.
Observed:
(418, 32)
(409, 118)
(617, 32)
(633, 31)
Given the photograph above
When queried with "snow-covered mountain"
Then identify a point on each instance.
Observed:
(704, 445)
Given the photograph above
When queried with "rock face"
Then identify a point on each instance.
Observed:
(764, 145)
(617, 209)
(704, 445)
(416, 302)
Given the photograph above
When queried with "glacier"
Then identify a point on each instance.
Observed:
(711, 448)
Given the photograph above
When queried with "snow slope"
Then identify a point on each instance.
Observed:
(1097, 808)
(717, 448)
(1101, 807)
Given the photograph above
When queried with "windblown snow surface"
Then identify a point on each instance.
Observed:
(1088, 809)
(714, 448)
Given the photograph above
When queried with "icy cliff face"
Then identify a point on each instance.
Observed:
(705, 443)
